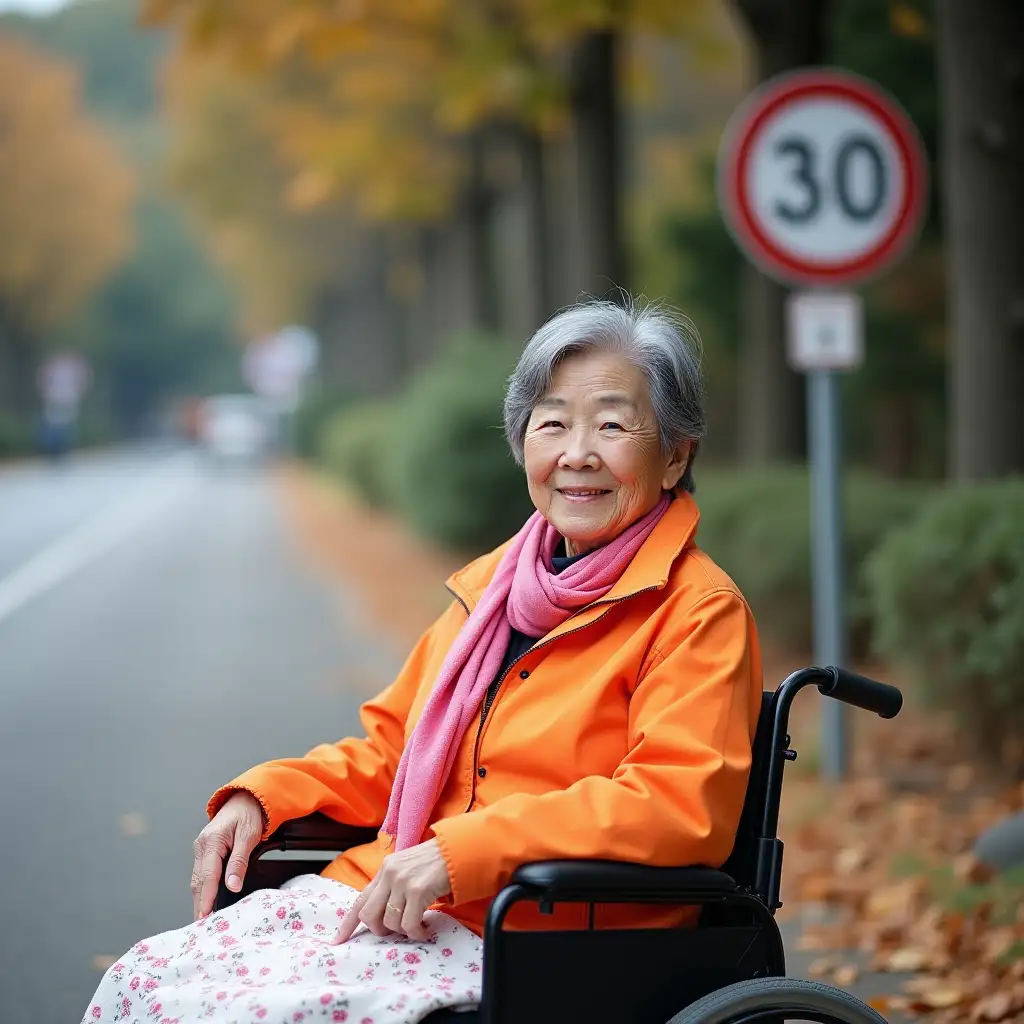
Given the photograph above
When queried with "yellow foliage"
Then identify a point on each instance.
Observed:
(66, 196)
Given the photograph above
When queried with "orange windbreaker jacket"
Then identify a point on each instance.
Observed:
(623, 734)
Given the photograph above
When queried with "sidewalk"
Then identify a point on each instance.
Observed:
(912, 798)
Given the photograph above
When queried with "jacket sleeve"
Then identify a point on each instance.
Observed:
(350, 781)
(675, 799)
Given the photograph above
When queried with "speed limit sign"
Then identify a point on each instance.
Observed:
(822, 178)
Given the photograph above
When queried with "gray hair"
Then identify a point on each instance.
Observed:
(664, 345)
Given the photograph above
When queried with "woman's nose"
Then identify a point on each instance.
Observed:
(579, 452)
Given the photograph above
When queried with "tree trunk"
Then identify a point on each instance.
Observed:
(477, 210)
(596, 137)
(772, 406)
(981, 83)
(18, 372)
(538, 245)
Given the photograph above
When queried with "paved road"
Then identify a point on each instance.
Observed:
(157, 635)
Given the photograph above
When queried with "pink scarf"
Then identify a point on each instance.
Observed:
(522, 594)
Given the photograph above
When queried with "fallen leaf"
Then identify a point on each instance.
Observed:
(846, 975)
(906, 960)
(133, 824)
(994, 1007)
(101, 963)
(943, 998)
(821, 966)
(852, 859)
(880, 1004)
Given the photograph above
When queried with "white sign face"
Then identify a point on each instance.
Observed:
(825, 181)
(821, 178)
(276, 367)
(824, 331)
(64, 378)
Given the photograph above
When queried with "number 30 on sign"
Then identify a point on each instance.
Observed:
(822, 178)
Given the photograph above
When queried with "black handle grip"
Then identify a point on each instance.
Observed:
(881, 698)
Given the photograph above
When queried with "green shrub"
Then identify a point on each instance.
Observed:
(357, 445)
(756, 525)
(311, 417)
(947, 593)
(15, 437)
(455, 480)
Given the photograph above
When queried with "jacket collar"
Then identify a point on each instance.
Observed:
(649, 569)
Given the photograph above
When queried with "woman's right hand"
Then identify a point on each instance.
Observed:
(237, 827)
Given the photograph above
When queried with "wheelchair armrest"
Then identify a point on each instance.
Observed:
(316, 832)
(597, 880)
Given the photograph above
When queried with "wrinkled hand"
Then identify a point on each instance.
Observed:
(398, 897)
(237, 827)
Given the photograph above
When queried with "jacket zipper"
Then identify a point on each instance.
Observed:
(493, 696)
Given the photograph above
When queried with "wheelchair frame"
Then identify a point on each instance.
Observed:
(736, 939)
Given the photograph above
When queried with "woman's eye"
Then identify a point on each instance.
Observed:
(549, 423)
(611, 423)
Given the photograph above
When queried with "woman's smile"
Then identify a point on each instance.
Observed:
(582, 495)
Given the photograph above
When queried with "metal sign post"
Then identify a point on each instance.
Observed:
(822, 182)
(824, 335)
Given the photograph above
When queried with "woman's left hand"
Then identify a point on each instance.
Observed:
(400, 893)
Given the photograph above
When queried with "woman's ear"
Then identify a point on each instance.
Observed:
(676, 466)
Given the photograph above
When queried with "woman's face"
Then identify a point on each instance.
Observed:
(594, 463)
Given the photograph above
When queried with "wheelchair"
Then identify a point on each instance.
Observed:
(729, 968)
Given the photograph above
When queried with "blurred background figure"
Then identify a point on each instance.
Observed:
(309, 239)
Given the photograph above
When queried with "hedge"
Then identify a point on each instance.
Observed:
(948, 598)
(757, 526)
(455, 480)
(357, 445)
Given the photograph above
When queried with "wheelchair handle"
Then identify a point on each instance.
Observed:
(881, 698)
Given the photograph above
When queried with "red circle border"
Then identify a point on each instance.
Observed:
(739, 140)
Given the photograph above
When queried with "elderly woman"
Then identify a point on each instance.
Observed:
(591, 692)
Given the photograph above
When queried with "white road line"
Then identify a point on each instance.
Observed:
(160, 486)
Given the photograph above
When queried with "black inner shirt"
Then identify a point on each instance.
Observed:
(520, 643)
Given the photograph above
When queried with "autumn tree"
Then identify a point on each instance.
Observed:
(64, 207)
(410, 96)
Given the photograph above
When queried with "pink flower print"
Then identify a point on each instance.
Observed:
(296, 926)
(142, 948)
(261, 1012)
(330, 961)
(298, 1015)
(135, 983)
(222, 956)
(474, 968)
(162, 961)
(222, 925)
(281, 912)
(264, 971)
(326, 998)
(366, 1020)
(410, 974)
(318, 928)
(309, 952)
(242, 971)
(411, 958)
(156, 1007)
(392, 954)
(340, 911)
(446, 952)
(96, 1013)
(228, 940)
(150, 985)
(340, 1016)
(368, 974)
(222, 995)
(126, 1006)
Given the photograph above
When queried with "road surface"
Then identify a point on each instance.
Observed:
(158, 634)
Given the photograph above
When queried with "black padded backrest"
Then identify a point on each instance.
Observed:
(742, 862)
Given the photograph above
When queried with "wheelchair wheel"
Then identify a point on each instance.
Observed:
(775, 1000)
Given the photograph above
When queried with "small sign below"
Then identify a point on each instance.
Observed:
(824, 331)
